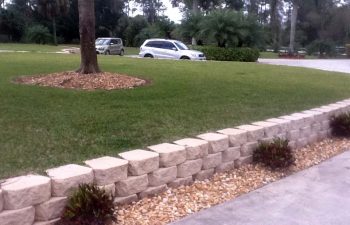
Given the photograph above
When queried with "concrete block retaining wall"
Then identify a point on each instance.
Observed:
(34, 199)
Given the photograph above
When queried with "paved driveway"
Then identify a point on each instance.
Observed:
(338, 65)
(316, 196)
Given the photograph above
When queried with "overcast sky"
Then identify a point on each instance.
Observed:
(174, 14)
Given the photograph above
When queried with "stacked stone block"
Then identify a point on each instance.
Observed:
(40, 200)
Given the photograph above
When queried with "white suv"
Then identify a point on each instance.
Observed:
(168, 49)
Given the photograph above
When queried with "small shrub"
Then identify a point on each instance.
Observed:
(340, 125)
(276, 155)
(89, 205)
(38, 34)
(229, 54)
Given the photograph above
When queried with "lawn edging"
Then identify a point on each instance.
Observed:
(35, 199)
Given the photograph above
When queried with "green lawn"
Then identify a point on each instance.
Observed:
(45, 127)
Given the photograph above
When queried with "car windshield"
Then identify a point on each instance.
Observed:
(181, 45)
(102, 42)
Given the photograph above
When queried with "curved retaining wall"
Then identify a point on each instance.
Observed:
(40, 200)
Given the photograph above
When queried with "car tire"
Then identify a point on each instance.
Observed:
(121, 52)
(148, 56)
(185, 58)
(107, 52)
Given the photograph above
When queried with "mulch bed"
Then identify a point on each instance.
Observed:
(73, 80)
(175, 204)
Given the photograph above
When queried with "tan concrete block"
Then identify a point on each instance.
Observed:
(195, 148)
(302, 142)
(293, 135)
(224, 167)
(67, 178)
(125, 200)
(305, 131)
(308, 119)
(270, 129)
(292, 145)
(189, 168)
(181, 182)
(204, 174)
(248, 149)
(322, 135)
(231, 154)
(318, 116)
(23, 216)
(169, 154)
(132, 185)
(284, 124)
(152, 191)
(24, 191)
(325, 125)
(50, 209)
(312, 139)
(316, 127)
(295, 122)
(255, 133)
(212, 161)
(109, 189)
(217, 142)
(50, 222)
(1, 201)
(141, 161)
(162, 176)
(108, 170)
(236, 137)
(243, 161)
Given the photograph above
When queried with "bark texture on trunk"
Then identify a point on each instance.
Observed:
(87, 37)
(195, 10)
(275, 24)
(54, 30)
(293, 24)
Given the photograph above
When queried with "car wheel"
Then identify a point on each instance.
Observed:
(185, 58)
(148, 56)
(121, 52)
(107, 52)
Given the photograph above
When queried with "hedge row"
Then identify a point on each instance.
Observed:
(348, 50)
(229, 54)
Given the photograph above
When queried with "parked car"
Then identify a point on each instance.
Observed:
(109, 46)
(168, 49)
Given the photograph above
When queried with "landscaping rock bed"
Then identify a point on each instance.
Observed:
(177, 203)
(73, 80)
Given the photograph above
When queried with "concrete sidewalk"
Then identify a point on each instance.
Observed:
(337, 65)
(319, 195)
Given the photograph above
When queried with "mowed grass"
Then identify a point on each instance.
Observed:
(45, 127)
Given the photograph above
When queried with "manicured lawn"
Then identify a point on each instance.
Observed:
(45, 127)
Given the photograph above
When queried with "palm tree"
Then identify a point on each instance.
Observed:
(226, 27)
(275, 24)
(293, 24)
(191, 26)
(87, 37)
(51, 9)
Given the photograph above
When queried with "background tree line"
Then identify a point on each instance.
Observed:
(319, 24)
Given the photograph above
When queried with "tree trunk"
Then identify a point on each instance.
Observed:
(195, 10)
(275, 24)
(293, 24)
(87, 37)
(54, 30)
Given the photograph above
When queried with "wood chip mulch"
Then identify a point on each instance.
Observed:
(73, 80)
(177, 203)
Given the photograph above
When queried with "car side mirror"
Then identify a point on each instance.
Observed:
(173, 48)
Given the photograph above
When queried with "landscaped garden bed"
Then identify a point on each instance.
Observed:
(175, 204)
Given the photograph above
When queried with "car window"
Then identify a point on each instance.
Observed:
(102, 42)
(181, 45)
(114, 41)
(154, 44)
(168, 45)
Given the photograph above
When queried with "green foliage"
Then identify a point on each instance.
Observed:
(191, 25)
(275, 155)
(229, 54)
(136, 25)
(38, 34)
(89, 205)
(340, 125)
(324, 48)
